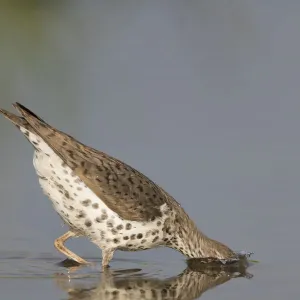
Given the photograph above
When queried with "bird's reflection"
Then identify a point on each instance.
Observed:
(130, 284)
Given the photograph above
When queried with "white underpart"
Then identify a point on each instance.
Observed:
(53, 173)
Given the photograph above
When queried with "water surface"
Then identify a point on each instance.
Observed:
(201, 96)
(135, 280)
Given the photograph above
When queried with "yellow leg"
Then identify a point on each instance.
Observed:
(59, 245)
(107, 255)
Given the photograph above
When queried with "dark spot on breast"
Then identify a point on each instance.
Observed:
(168, 231)
(102, 234)
(86, 202)
(125, 238)
(60, 186)
(116, 241)
(98, 220)
(109, 224)
(95, 205)
(139, 236)
(158, 223)
(128, 226)
(132, 237)
(155, 239)
(143, 241)
(104, 216)
(77, 180)
(81, 214)
(119, 227)
(88, 223)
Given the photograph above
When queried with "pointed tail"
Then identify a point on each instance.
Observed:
(16, 120)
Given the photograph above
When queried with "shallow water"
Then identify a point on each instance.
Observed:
(201, 96)
(45, 277)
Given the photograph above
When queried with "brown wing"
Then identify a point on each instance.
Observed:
(128, 192)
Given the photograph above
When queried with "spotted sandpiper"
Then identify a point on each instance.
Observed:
(106, 200)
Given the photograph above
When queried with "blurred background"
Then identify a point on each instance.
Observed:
(201, 96)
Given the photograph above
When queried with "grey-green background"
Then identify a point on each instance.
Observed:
(201, 96)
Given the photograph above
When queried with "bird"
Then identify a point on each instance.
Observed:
(106, 200)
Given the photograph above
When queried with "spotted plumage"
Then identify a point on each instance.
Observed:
(106, 200)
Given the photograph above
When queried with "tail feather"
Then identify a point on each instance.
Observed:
(52, 136)
(26, 112)
(26, 124)
(39, 126)
(16, 120)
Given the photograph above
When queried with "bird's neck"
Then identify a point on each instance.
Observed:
(195, 244)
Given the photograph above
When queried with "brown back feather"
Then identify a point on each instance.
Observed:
(129, 193)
